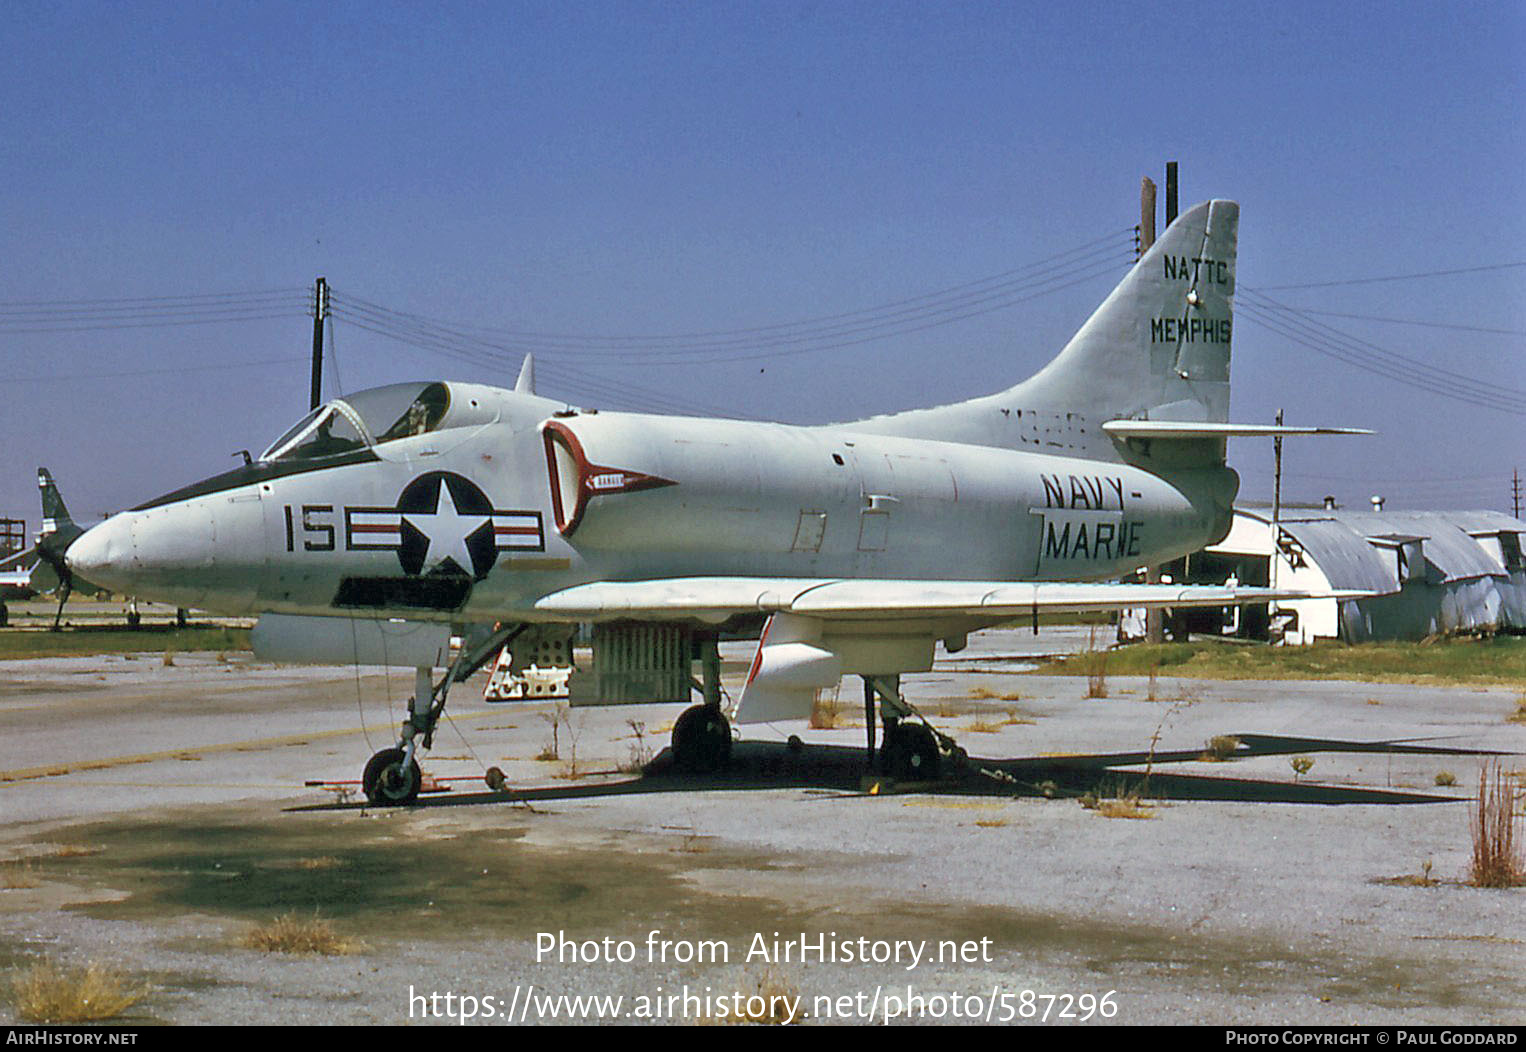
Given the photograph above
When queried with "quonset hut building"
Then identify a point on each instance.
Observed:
(1429, 572)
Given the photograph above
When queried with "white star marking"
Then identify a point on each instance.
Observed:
(447, 531)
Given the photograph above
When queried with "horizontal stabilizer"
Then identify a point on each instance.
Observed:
(1183, 429)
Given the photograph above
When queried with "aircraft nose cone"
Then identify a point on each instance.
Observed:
(103, 555)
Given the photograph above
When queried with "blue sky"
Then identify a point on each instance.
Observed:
(653, 169)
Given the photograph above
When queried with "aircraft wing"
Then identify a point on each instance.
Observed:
(714, 599)
(820, 629)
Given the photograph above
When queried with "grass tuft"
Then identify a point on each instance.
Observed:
(1220, 748)
(292, 934)
(18, 874)
(1466, 660)
(1114, 801)
(52, 993)
(1117, 807)
(827, 714)
(984, 693)
(1497, 858)
(766, 1003)
(1094, 665)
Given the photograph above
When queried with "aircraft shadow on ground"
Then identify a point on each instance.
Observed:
(844, 769)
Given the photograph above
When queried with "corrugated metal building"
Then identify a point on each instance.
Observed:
(1430, 572)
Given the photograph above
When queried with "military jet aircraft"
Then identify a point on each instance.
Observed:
(42, 567)
(387, 516)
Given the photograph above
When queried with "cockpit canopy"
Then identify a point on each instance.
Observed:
(367, 418)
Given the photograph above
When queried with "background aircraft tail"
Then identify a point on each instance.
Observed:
(1156, 349)
(55, 516)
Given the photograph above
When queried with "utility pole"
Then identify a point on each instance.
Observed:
(1276, 500)
(320, 313)
(1146, 236)
(1277, 474)
(1515, 491)
(1155, 622)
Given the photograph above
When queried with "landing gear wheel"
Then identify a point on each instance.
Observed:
(911, 753)
(701, 740)
(387, 783)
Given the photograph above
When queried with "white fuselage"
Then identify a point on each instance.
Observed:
(539, 502)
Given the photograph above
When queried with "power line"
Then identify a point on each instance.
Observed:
(736, 350)
(1326, 340)
(1409, 321)
(1393, 277)
(24, 317)
(83, 377)
(500, 348)
(807, 336)
(6, 305)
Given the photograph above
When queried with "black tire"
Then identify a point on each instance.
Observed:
(701, 740)
(911, 753)
(387, 783)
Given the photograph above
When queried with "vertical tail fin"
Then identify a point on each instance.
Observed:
(55, 516)
(1156, 349)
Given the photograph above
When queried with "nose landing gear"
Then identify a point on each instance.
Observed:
(391, 779)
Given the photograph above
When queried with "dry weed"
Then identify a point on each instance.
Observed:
(1220, 748)
(983, 693)
(1123, 807)
(290, 933)
(1497, 857)
(18, 875)
(1412, 880)
(826, 714)
(640, 750)
(772, 1000)
(1118, 805)
(52, 993)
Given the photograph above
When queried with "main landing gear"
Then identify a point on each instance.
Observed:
(702, 735)
(910, 752)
